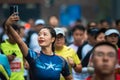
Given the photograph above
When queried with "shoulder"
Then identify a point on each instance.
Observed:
(59, 57)
(2, 56)
(34, 35)
(61, 60)
(84, 43)
(87, 46)
(5, 42)
(71, 45)
(68, 48)
(32, 53)
(82, 46)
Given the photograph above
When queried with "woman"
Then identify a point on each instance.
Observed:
(100, 35)
(44, 65)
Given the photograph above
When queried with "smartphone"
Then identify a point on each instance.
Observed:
(14, 8)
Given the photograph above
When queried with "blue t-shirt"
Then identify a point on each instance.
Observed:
(47, 67)
(5, 63)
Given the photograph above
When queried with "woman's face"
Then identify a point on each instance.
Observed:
(100, 37)
(60, 41)
(113, 38)
(44, 38)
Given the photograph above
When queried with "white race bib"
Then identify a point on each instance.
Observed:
(15, 65)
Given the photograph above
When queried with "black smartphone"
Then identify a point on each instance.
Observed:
(14, 8)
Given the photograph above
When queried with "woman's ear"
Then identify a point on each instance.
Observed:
(53, 39)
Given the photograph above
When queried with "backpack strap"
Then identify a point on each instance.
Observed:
(79, 51)
(85, 61)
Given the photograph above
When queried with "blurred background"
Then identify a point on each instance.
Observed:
(66, 10)
(66, 13)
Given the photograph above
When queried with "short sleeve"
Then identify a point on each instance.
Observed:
(31, 56)
(76, 58)
(65, 70)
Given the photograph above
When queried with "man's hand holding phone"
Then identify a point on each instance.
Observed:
(12, 19)
(13, 15)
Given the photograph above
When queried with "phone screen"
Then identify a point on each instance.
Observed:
(13, 8)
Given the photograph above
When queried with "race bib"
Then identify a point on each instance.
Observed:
(15, 65)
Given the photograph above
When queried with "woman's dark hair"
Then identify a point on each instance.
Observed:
(102, 30)
(53, 34)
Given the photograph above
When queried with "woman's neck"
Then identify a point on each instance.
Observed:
(47, 51)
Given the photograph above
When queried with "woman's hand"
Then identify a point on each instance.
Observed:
(70, 61)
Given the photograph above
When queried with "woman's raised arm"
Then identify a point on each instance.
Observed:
(8, 26)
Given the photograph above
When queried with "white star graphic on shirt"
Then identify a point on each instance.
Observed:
(50, 66)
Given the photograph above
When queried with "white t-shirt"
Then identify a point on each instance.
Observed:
(86, 49)
(34, 45)
(74, 47)
(84, 74)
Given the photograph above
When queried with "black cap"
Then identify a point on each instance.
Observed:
(92, 31)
